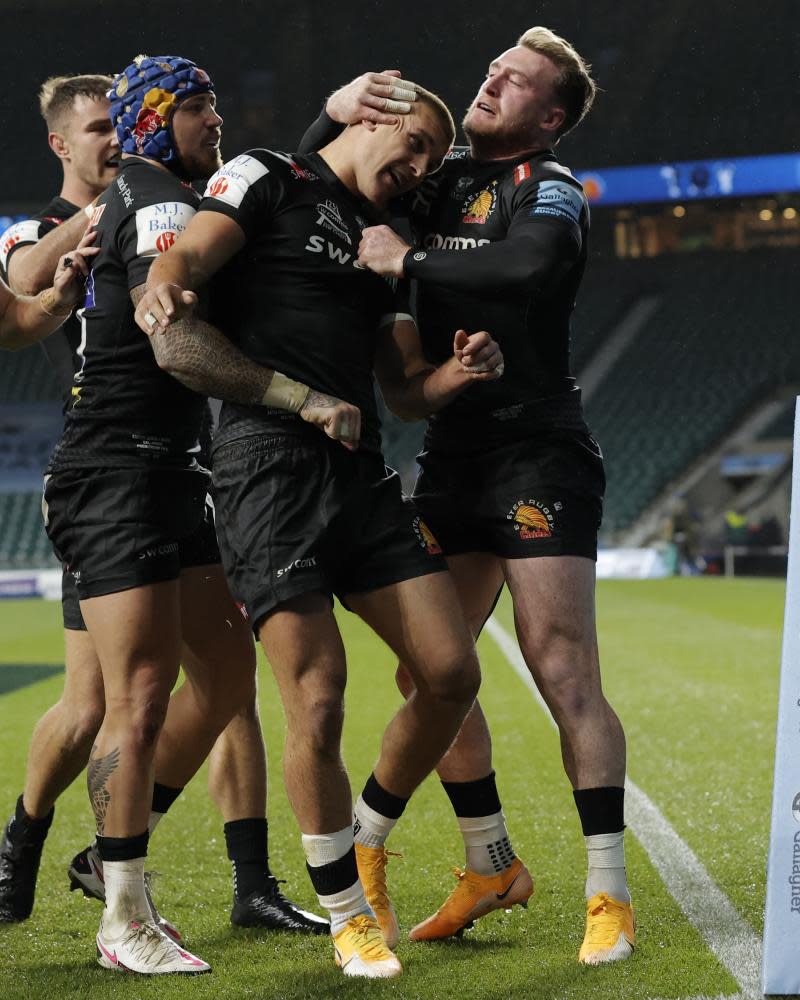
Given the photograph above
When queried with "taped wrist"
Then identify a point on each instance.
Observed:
(47, 303)
(285, 393)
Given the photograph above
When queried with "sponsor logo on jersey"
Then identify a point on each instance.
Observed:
(125, 191)
(425, 537)
(331, 218)
(302, 173)
(53, 219)
(531, 519)
(20, 232)
(521, 172)
(165, 240)
(435, 241)
(557, 200)
(158, 226)
(233, 180)
(480, 207)
(243, 610)
(419, 255)
(318, 244)
(97, 214)
(461, 187)
(306, 563)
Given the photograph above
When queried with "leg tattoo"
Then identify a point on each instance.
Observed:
(99, 771)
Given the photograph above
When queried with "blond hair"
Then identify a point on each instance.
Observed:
(441, 110)
(57, 95)
(574, 85)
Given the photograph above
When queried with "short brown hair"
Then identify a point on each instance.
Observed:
(58, 94)
(574, 85)
(442, 112)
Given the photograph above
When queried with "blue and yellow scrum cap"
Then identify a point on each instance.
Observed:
(143, 98)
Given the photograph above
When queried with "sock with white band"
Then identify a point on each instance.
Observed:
(331, 862)
(607, 866)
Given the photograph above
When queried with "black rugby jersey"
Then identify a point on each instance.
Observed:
(501, 246)
(292, 299)
(124, 411)
(61, 347)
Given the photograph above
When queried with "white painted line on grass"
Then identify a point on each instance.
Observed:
(705, 905)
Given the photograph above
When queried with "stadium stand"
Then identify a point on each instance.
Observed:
(25, 377)
(721, 342)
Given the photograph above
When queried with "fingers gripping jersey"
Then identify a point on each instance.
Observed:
(293, 299)
(501, 246)
(61, 346)
(125, 412)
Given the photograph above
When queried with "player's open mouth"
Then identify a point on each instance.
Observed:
(486, 109)
(112, 161)
(396, 177)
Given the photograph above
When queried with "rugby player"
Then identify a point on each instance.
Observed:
(76, 110)
(125, 504)
(299, 516)
(512, 481)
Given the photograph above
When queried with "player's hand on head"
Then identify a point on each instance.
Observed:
(382, 251)
(339, 420)
(163, 305)
(479, 354)
(72, 271)
(374, 97)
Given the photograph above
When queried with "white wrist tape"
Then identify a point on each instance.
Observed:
(285, 393)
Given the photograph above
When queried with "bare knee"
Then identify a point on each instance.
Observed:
(318, 722)
(138, 720)
(457, 679)
(568, 674)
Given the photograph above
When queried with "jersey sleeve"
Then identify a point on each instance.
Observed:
(245, 189)
(21, 234)
(543, 241)
(148, 231)
(319, 133)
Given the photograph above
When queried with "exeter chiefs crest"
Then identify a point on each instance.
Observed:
(479, 207)
(425, 537)
(531, 519)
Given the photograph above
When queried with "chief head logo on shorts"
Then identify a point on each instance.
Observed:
(531, 519)
(425, 537)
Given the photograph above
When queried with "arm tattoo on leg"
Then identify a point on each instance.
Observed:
(98, 772)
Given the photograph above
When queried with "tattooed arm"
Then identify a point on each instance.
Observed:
(198, 355)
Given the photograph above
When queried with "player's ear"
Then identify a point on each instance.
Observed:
(370, 126)
(58, 144)
(554, 120)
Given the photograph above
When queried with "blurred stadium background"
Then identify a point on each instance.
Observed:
(684, 338)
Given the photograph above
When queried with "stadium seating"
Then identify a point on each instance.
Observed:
(722, 341)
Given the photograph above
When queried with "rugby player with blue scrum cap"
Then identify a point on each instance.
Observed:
(82, 136)
(126, 508)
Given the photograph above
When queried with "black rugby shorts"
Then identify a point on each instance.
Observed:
(298, 513)
(115, 529)
(521, 500)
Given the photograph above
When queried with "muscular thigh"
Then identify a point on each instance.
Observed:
(554, 613)
(421, 621)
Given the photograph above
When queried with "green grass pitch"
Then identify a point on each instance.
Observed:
(690, 665)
